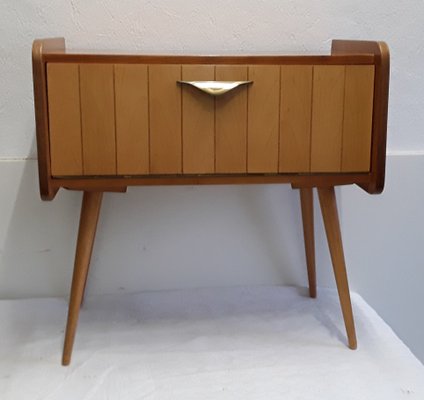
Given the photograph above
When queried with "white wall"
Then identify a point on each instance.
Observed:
(153, 238)
(189, 26)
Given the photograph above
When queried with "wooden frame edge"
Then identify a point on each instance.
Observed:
(39, 48)
(380, 105)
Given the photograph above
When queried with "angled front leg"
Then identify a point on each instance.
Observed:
(330, 216)
(87, 230)
(307, 205)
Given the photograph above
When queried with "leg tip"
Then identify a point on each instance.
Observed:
(66, 360)
(353, 345)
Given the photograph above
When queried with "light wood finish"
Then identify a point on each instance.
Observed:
(263, 119)
(381, 54)
(165, 119)
(87, 230)
(198, 114)
(64, 119)
(327, 118)
(132, 119)
(98, 119)
(357, 121)
(307, 207)
(231, 122)
(40, 48)
(295, 118)
(330, 216)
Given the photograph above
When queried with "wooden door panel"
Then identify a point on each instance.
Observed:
(295, 118)
(327, 118)
(135, 119)
(98, 119)
(357, 121)
(132, 119)
(64, 119)
(231, 122)
(165, 119)
(198, 122)
(263, 119)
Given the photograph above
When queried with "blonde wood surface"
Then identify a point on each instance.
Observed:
(132, 119)
(295, 118)
(357, 121)
(330, 216)
(90, 210)
(198, 122)
(307, 206)
(98, 119)
(165, 119)
(327, 118)
(64, 119)
(263, 118)
(231, 122)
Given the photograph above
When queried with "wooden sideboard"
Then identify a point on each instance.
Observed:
(109, 121)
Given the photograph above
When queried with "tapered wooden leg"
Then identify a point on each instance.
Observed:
(87, 230)
(330, 216)
(307, 205)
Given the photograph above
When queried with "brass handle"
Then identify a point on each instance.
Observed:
(215, 88)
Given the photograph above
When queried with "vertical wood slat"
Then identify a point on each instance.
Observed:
(98, 119)
(263, 119)
(64, 119)
(132, 125)
(295, 118)
(357, 121)
(198, 116)
(231, 122)
(327, 118)
(165, 119)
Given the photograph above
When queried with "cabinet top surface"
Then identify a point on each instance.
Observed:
(114, 57)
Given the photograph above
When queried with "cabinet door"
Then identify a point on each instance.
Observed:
(137, 119)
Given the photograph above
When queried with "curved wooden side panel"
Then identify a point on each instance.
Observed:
(39, 48)
(380, 50)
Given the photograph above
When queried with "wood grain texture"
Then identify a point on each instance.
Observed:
(132, 119)
(295, 118)
(357, 120)
(231, 122)
(330, 216)
(263, 118)
(307, 207)
(64, 119)
(198, 114)
(90, 210)
(98, 119)
(165, 119)
(381, 54)
(40, 48)
(327, 118)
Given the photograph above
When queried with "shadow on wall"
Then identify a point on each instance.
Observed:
(151, 238)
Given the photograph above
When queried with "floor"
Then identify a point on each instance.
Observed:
(228, 343)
